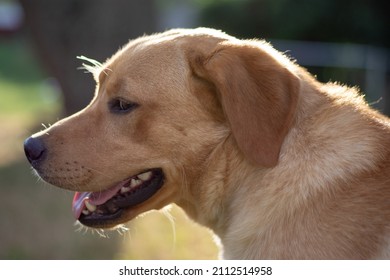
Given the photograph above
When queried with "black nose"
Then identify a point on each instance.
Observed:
(34, 149)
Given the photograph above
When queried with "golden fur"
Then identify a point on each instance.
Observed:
(278, 165)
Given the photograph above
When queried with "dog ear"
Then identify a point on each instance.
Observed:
(258, 95)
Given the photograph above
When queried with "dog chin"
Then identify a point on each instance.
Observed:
(103, 232)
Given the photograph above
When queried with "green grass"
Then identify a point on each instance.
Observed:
(27, 100)
(36, 220)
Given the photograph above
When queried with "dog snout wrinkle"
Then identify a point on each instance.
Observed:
(34, 149)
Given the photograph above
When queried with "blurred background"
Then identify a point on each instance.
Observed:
(337, 40)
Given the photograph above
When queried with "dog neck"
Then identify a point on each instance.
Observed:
(230, 186)
(224, 179)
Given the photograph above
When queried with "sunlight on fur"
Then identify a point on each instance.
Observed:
(173, 237)
(120, 229)
(164, 234)
(93, 65)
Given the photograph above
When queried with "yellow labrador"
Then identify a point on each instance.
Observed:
(248, 143)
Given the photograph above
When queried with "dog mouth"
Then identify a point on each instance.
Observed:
(97, 209)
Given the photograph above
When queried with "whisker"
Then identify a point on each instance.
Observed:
(101, 232)
(81, 228)
(98, 171)
(184, 180)
(121, 230)
(106, 69)
(45, 126)
(71, 183)
(93, 67)
(166, 212)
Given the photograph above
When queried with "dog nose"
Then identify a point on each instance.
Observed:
(34, 149)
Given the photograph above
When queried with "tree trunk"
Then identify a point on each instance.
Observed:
(65, 29)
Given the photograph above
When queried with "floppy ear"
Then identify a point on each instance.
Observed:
(258, 95)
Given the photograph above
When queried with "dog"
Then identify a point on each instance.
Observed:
(247, 142)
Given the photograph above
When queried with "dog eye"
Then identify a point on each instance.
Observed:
(120, 106)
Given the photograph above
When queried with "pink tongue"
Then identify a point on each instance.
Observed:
(78, 203)
(95, 198)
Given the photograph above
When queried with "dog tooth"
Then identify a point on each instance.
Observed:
(135, 183)
(125, 189)
(90, 206)
(85, 212)
(145, 176)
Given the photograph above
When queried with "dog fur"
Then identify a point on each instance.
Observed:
(277, 164)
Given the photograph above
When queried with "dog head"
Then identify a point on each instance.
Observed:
(162, 105)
